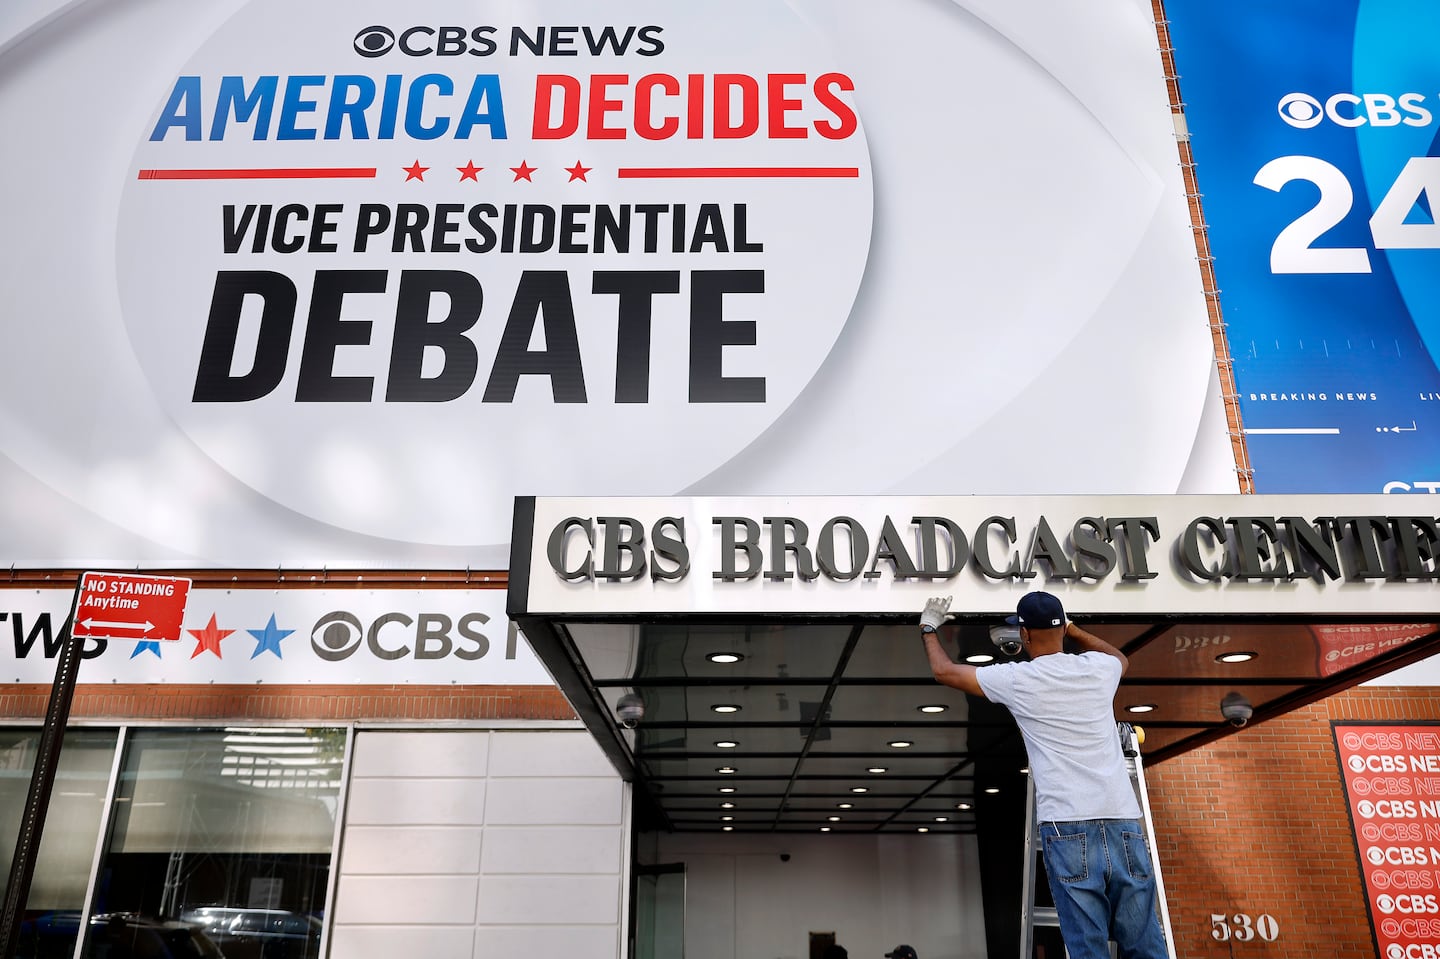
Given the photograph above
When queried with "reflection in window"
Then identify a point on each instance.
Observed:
(220, 843)
(67, 844)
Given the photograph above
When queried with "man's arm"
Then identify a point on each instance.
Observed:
(1090, 643)
(958, 675)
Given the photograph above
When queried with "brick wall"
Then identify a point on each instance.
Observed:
(1256, 824)
(408, 702)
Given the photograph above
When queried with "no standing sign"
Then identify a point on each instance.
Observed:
(130, 606)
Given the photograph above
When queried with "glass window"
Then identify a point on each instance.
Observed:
(220, 843)
(51, 919)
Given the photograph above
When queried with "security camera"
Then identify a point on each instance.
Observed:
(784, 857)
(630, 710)
(1006, 639)
(1236, 709)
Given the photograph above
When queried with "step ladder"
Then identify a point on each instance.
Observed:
(1036, 916)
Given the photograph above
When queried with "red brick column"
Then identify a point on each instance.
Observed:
(1256, 824)
(257, 703)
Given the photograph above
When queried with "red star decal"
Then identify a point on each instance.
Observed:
(209, 638)
(522, 172)
(577, 172)
(415, 172)
(468, 171)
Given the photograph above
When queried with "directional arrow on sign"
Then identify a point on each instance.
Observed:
(99, 624)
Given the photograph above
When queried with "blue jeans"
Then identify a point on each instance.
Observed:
(1104, 889)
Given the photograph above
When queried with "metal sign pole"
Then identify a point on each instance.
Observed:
(42, 780)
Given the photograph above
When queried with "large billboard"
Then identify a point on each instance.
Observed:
(1314, 129)
(332, 283)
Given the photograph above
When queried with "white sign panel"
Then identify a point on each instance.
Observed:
(287, 636)
(1126, 555)
(331, 284)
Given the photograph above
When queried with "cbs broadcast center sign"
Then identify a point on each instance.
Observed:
(1165, 555)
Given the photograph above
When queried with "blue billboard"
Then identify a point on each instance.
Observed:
(1314, 132)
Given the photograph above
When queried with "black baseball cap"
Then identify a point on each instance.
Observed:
(1038, 610)
(902, 952)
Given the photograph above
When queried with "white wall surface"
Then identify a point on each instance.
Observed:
(482, 843)
(873, 892)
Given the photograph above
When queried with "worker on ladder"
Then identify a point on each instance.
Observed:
(1096, 857)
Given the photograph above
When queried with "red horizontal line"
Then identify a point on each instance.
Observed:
(277, 173)
(759, 172)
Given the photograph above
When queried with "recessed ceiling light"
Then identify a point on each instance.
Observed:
(1024, 770)
(727, 805)
(859, 789)
(726, 818)
(724, 657)
(992, 790)
(726, 743)
(979, 659)
(901, 744)
(932, 708)
(1141, 708)
(923, 829)
(824, 828)
(725, 708)
(725, 770)
(727, 828)
(846, 805)
(876, 769)
(963, 805)
(1239, 656)
(942, 818)
(833, 818)
(727, 789)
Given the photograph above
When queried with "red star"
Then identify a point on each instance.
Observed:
(209, 638)
(577, 172)
(468, 171)
(522, 172)
(415, 172)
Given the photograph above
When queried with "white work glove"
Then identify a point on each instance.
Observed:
(936, 612)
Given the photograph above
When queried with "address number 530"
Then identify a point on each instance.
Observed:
(1292, 251)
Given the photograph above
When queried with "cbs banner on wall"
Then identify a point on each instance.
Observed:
(288, 636)
(332, 284)
(1314, 129)
(1391, 775)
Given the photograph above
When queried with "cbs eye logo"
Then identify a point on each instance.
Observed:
(336, 636)
(1300, 110)
(374, 41)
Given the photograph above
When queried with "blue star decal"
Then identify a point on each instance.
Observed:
(153, 645)
(269, 638)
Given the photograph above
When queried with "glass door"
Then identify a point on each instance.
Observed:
(660, 911)
(50, 924)
(220, 844)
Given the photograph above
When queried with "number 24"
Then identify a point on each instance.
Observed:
(1292, 251)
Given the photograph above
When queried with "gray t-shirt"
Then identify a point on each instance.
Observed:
(1064, 704)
